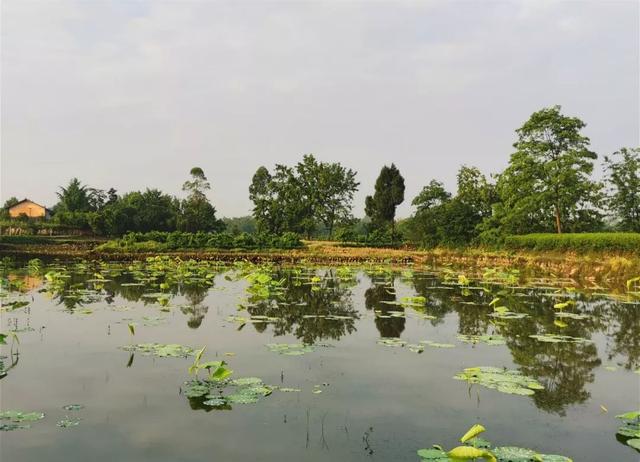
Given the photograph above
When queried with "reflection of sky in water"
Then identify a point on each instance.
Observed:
(410, 400)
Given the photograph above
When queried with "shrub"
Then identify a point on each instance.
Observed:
(177, 240)
(576, 242)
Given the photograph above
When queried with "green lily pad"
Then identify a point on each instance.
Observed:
(18, 416)
(433, 455)
(73, 407)
(502, 380)
(294, 349)
(486, 339)
(173, 350)
(67, 422)
(391, 342)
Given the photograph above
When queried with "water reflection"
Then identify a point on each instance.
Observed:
(310, 312)
(318, 305)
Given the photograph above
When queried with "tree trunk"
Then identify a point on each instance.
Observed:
(558, 223)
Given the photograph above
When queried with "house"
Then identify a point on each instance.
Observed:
(29, 209)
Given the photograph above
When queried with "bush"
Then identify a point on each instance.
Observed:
(177, 240)
(576, 242)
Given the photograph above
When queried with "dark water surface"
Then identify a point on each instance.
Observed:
(377, 402)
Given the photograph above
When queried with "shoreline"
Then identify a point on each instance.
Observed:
(592, 269)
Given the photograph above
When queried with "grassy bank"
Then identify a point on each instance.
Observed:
(578, 242)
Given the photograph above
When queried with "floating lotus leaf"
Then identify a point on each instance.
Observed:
(415, 348)
(67, 422)
(436, 344)
(391, 342)
(240, 398)
(486, 339)
(555, 338)
(11, 426)
(216, 401)
(503, 380)
(433, 455)
(73, 407)
(161, 350)
(294, 349)
(246, 381)
(19, 416)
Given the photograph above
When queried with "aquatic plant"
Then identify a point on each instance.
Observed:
(161, 350)
(629, 432)
(502, 380)
(293, 349)
(474, 448)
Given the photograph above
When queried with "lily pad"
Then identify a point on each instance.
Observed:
(391, 342)
(294, 349)
(73, 407)
(161, 350)
(486, 339)
(503, 380)
(19, 416)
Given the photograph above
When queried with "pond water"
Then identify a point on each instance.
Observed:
(333, 376)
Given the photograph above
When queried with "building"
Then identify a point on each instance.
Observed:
(30, 209)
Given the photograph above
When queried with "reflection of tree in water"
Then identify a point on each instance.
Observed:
(382, 291)
(297, 306)
(563, 368)
(623, 327)
(195, 309)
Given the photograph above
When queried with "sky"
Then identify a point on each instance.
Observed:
(132, 94)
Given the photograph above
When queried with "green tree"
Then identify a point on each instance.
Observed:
(548, 177)
(389, 193)
(197, 213)
(623, 175)
(73, 198)
(4, 213)
(301, 198)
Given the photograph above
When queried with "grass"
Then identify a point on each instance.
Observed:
(579, 242)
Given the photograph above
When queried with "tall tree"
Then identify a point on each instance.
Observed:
(197, 213)
(623, 175)
(389, 193)
(548, 177)
(298, 199)
(74, 197)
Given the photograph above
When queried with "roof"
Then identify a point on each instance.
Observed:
(28, 200)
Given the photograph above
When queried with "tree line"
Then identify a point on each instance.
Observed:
(548, 186)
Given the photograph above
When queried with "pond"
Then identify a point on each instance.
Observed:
(345, 363)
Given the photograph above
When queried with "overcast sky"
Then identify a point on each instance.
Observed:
(132, 94)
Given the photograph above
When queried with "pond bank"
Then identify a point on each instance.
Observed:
(610, 269)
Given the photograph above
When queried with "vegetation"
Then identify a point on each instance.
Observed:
(576, 242)
(547, 187)
(157, 241)
(389, 193)
(298, 199)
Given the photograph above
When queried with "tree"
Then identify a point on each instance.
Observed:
(548, 177)
(623, 175)
(197, 213)
(389, 193)
(298, 199)
(73, 198)
(4, 213)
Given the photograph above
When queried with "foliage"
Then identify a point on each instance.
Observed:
(547, 184)
(629, 432)
(302, 197)
(443, 220)
(389, 193)
(623, 171)
(576, 241)
(196, 212)
(503, 380)
(474, 448)
(156, 241)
